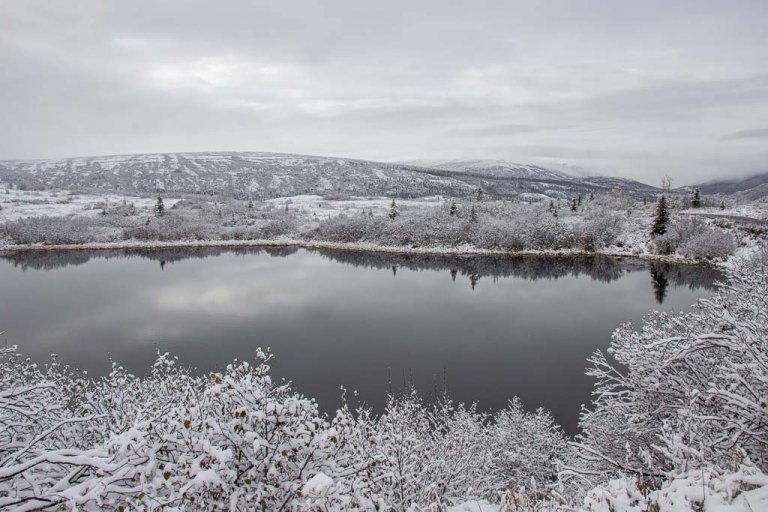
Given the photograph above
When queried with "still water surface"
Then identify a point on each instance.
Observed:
(485, 328)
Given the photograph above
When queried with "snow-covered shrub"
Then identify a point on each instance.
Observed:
(240, 440)
(611, 201)
(433, 226)
(236, 440)
(708, 244)
(678, 233)
(692, 238)
(740, 490)
(665, 244)
(426, 454)
(168, 227)
(280, 225)
(493, 233)
(598, 230)
(539, 229)
(52, 231)
(350, 228)
(527, 447)
(687, 388)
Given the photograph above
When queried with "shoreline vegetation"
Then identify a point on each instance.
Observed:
(347, 247)
(612, 224)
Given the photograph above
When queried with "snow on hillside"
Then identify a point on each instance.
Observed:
(239, 175)
(496, 169)
(262, 176)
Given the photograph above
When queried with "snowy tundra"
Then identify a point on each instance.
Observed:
(610, 223)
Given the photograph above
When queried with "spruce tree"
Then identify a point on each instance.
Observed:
(453, 209)
(573, 205)
(393, 211)
(159, 207)
(722, 205)
(472, 215)
(662, 217)
(696, 198)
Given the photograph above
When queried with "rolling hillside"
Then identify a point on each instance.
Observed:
(269, 175)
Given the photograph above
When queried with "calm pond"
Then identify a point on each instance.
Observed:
(485, 328)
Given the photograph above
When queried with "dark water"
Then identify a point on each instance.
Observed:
(485, 328)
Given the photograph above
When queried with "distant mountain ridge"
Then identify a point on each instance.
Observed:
(756, 185)
(254, 175)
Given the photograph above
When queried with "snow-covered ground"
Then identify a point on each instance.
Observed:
(19, 204)
(745, 490)
(757, 211)
(317, 207)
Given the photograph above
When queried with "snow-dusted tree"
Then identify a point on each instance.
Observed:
(472, 215)
(696, 198)
(479, 194)
(661, 219)
(722, 205)
(574, 205)
(666, 183)
(453, 209)
(394, 211)
(159, 206)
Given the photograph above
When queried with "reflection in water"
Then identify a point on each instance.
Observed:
(598, 267)
(485, 328)
(660, 282)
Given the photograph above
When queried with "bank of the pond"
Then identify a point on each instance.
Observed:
(463, 250)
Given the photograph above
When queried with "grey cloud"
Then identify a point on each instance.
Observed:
(639, 89)
(498, 130)
(761, 133)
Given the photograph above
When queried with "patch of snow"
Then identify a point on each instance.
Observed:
(318, 485)
(474, 506)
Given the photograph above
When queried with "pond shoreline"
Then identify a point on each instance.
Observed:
(351, 246)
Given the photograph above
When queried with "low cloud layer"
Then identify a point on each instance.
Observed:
(638, 89)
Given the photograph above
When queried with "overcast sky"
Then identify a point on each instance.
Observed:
(629, 88)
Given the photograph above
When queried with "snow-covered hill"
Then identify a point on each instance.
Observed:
(242, 175)
(270, 175)
(751, 188)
